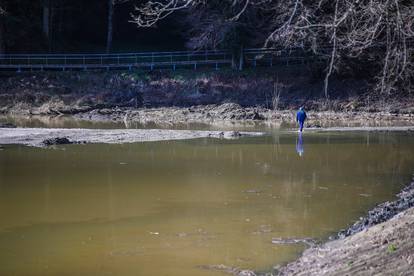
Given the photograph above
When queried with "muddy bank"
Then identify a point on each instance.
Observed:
(277, 89)
(235, 112)
(382, 212)
(39, 137)
(381, 243)
(228, 113)
(177, 97)
(362, 129)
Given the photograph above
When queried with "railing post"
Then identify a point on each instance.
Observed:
(241, 58)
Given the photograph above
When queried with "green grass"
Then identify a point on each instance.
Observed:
(392, 248)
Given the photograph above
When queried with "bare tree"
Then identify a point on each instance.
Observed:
(2, 40)
(109, 35)
(110, 28)
(377, 30)
(46, 18)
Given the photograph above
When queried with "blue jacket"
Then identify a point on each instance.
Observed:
(301, 116)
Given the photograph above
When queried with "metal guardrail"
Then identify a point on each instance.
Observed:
(252, 57)
(145, 60)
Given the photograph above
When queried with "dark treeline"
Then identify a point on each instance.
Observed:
(28, 26)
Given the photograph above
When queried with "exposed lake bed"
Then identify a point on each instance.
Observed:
(39, 137)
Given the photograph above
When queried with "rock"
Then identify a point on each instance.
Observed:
(231, 134)
(246, 273)
(105, 111)
(57, 141)
(7, 125)
(308, 241)
(252, 191)
(229, 270)
(314, 126)
(254, 116)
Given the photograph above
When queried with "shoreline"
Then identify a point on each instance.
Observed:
(379, 243)
(41, 137)
(228, 114)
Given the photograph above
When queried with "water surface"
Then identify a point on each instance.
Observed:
(169, 208)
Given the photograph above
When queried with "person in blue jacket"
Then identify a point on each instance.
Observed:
(300, 118)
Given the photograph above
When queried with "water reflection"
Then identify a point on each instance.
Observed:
(299, 145)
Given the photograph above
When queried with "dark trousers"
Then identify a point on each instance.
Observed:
(301, 125)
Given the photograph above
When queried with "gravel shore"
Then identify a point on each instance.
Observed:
(39, 137)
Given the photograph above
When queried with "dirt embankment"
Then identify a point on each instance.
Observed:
(191, 96)
(198, 97)
(381, 243)
(235, 112)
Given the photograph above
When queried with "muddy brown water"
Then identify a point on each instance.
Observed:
(170, 208)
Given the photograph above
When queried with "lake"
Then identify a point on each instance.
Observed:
(180, 207)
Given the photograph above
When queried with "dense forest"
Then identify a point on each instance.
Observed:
(369, 37)
(56, 26)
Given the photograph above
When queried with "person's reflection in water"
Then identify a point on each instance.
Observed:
(299, 145)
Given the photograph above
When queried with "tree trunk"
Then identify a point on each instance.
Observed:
(2, 39)
(46, 14)
(110, 25)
